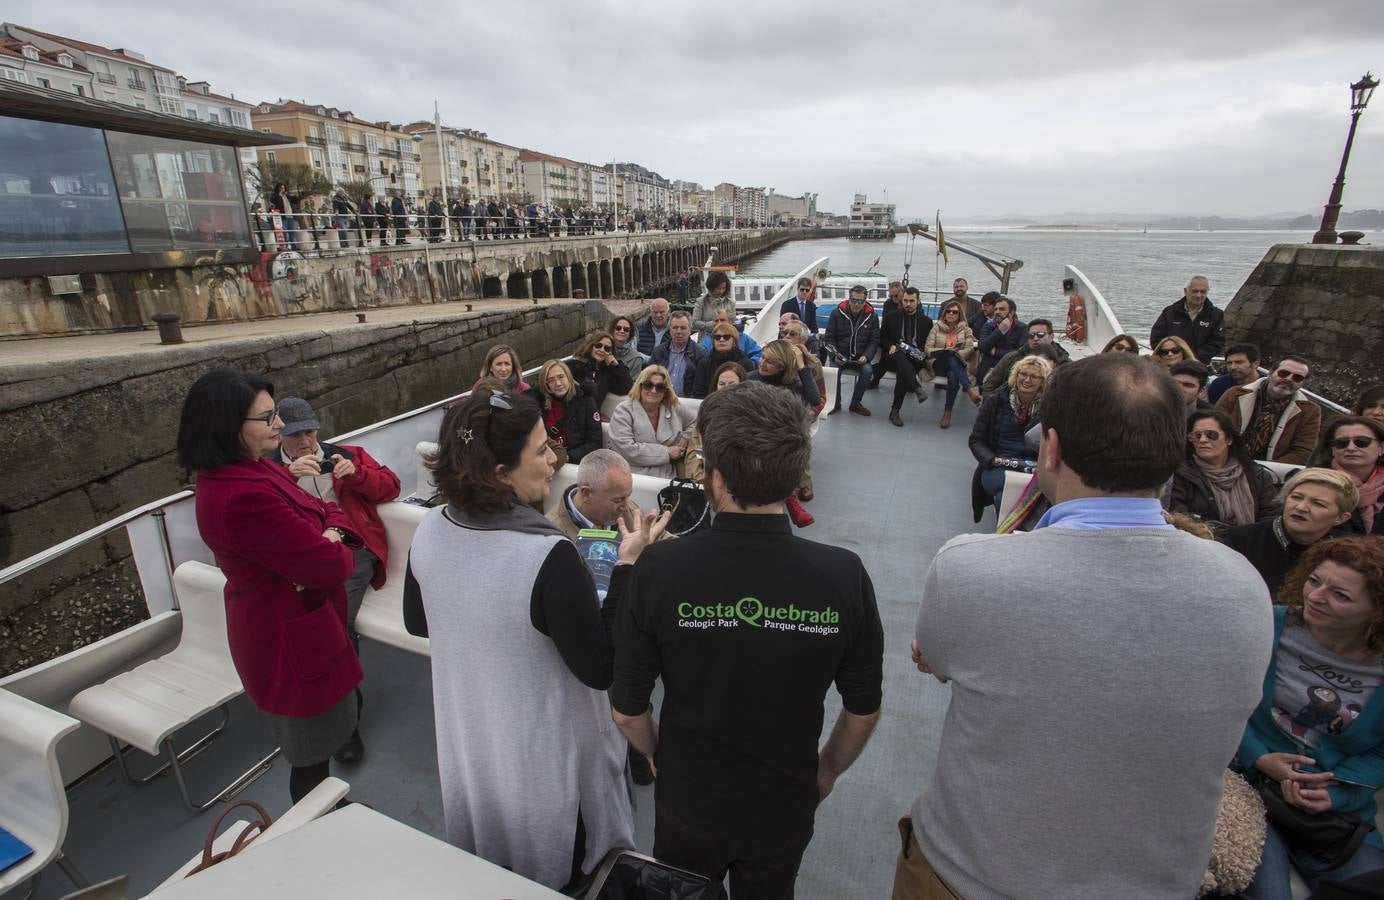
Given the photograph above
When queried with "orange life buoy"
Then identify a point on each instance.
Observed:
(1076, 318)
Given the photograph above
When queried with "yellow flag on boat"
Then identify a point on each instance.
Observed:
(941, 240)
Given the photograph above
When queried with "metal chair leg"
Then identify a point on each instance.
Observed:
(235, 787)
(195, 747)
(70, 870)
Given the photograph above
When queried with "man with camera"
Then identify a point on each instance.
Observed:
(347, 476)
(903, 334)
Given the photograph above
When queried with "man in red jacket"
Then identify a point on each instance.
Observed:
(350, 478)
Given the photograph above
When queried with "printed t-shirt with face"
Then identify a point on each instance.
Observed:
(1317, 692)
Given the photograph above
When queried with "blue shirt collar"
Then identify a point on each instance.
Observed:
(1095, 513)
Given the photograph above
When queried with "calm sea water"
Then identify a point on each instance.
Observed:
(1138, 273)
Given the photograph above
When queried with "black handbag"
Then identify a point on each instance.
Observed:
(1332, 837)
(688, 503)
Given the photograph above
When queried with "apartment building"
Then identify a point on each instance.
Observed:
(119, 75)
(642, 188)
(784, 210)
(25, 62)
(343, 146)
(475, 166)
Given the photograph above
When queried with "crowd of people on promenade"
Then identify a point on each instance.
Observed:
(392, 218)
(1097, 730)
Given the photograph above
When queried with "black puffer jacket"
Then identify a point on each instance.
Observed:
(581, 421)
(601, 381)
(1190, 493)
(707, 366)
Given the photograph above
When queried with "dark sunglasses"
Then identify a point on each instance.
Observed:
(657, 387)
(1284, 373)
(1038, 334)
(1360, 440)
(1169, 351)
(606, 347)
(619, 328)
(1212, 436)
(723, 337)
(1125, 348)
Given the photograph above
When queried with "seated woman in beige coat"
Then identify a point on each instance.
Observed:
(650, 429)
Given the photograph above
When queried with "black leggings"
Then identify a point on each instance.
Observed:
(302, 779)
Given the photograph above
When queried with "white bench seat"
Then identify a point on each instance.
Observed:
(147, 705)
(381, 613)
(33, 804)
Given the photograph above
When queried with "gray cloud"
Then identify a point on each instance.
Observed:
(983, 107)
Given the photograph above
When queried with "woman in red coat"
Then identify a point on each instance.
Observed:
(286, 556)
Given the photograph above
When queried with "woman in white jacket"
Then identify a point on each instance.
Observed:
(649, 428)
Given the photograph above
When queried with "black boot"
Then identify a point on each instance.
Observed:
(353, 750)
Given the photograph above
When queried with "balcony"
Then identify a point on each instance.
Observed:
(392, 154)
(105, 79)
(314, 142)
(137, 84)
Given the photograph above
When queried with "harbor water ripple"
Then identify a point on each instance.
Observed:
(1138, 273)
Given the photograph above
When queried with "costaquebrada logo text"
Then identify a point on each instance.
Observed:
(755, 613)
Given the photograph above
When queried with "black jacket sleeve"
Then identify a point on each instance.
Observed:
(982, 433)
(415, 618)
(563, 606)
(583, 424)
(701, 381)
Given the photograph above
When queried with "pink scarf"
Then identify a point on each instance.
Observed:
(1371, 495)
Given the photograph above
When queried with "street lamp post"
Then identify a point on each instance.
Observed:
(1360, 93)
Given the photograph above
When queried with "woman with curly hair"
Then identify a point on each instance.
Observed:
(626, 350)
(597, 367)
(1315, 745)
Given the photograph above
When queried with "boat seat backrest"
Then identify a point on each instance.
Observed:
(147, 704)
(381, 614)
(34, 807)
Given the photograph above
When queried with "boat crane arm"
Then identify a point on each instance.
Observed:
(1001, 266)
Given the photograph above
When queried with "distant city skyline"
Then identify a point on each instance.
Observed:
(1235, 109)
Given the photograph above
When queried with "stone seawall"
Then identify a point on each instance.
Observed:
(288, 283)
(1324, 303)
(90, 440)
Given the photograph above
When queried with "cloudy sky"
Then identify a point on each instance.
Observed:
(985, 107)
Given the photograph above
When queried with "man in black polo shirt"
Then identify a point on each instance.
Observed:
(748, 626)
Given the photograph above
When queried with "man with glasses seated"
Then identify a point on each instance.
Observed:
(809, 340)
(802, 304)
(1040, 334)
(1278, 422)
(853, 338)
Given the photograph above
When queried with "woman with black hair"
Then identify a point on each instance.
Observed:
(532, 766)
(1218, 481)
(286, 556)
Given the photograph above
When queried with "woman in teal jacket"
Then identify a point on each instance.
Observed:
(1319, 730)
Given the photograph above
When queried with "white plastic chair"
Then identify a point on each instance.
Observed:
(145, 706)
(33, 803)
(381, 613)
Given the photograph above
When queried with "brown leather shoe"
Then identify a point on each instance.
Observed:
(859, 409)
(946, 419)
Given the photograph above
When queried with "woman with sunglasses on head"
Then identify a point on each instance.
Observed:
(1121, 343)
(1355, 445)
(533, 770)
(596, 366)
(286, 556)
(725, 347)
(1172, 350)
(625, 341)
(950, 344)
(650, 429)
(1218, 481)
(1315, 745)
(569, 412)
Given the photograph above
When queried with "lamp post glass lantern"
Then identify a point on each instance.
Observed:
(1360, 94)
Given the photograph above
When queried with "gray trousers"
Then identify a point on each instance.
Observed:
(355, 589)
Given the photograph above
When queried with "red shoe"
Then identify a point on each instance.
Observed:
(800, 516)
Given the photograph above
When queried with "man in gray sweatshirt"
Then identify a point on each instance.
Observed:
(1102, 669)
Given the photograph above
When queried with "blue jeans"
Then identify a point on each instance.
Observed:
(862, 380)
(992, 480)
(957, 376)
(1271, 880)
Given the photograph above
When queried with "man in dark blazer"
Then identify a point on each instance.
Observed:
(801, 305)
